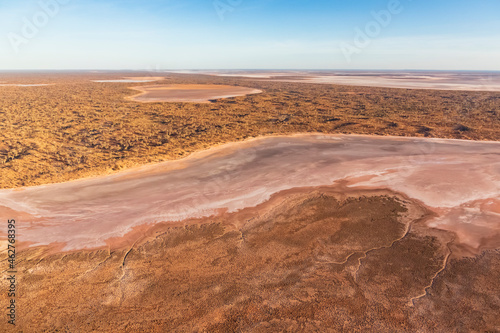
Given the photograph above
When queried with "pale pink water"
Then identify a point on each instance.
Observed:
(459, 180)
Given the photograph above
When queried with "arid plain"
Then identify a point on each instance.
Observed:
(291, 206)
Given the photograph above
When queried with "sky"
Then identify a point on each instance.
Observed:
(250, 34)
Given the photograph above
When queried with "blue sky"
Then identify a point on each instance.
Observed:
(250, 34)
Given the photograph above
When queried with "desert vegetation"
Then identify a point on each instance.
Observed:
(77, 128)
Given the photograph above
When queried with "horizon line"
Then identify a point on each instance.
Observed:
(240, 69)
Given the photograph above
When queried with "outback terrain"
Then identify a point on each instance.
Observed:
(76, 128)
(139, 226)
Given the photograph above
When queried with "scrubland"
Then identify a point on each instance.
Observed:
(78, 128)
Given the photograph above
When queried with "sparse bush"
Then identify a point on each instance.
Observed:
(461, 128)
(79, 128)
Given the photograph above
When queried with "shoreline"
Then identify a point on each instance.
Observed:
(250, 140)
(142, 233)
(239, 175)
(145, 90)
